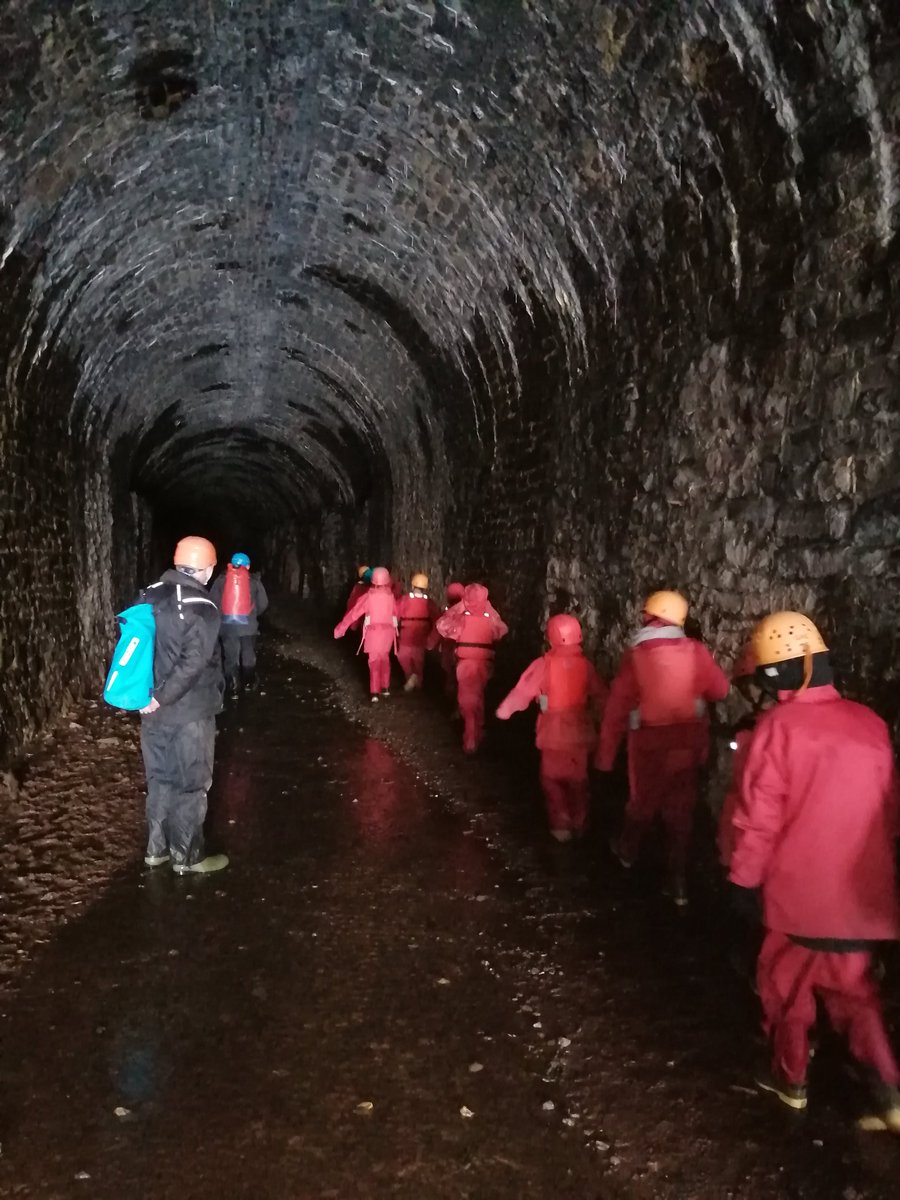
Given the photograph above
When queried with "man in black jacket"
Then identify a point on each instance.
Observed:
(178, 730)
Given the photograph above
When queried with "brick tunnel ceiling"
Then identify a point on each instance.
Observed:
(278, 240)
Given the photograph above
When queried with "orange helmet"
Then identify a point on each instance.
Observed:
(667, 606)
(784, 635)
(381, 577)
(361, 570)
(195, 552)
(564, 630)
(420, 581)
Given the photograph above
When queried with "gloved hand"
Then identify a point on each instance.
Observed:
(746, 903)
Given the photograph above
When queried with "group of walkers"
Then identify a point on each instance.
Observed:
(410, 624)
(808, 831)
(807, 834)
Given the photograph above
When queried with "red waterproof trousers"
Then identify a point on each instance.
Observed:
(564, 782)
(379, 672)
(791, 978)
(411, 656)
(472, 675)
(378, 642)
(663, 776)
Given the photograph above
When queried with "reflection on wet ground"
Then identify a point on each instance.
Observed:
(394, 948)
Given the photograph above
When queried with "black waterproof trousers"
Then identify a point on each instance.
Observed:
(178, 760)
(238, 654)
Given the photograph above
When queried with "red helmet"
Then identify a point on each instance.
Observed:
(564, 630)
(381, 577)
(455, 592)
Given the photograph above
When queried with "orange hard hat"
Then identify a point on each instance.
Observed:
(361, 570)
(196, 552)
(381, 577)
(784, 635)
(564, 630)
(420, 581)
(667, 606)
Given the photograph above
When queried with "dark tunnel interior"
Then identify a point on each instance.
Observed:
(583, 298)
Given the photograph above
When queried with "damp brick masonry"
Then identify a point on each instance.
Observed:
(586, 298)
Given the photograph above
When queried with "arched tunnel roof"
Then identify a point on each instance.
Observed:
(277, 237)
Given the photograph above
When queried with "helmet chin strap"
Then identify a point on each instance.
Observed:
(807, 669)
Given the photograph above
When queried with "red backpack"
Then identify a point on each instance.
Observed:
(666, 674)
(236, 602)
(567, 681)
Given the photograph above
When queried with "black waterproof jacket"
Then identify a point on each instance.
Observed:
(259, 603)
(187, 663)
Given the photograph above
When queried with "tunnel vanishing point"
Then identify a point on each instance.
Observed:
(586, 298)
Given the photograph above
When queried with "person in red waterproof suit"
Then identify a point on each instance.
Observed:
(659, 696)
(816, 828)
(377, 609)
(474, 625)
(571, 696)
(418, 614)
(446, 647)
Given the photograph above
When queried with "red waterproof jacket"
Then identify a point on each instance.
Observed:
(570, 693)
(664, 679)
(417, 618)
(474, 624)
(817, 819)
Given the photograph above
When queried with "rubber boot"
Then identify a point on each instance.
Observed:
(250, 680)
(791, 1094)
(212, 862)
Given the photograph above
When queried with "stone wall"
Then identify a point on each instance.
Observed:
(54, 540)
(579, 297)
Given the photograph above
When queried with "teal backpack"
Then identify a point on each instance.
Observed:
(129, 683)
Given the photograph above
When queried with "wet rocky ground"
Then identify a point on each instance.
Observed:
(399, 988)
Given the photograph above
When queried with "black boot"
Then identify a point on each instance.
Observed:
(250, 680)
(232, 688)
